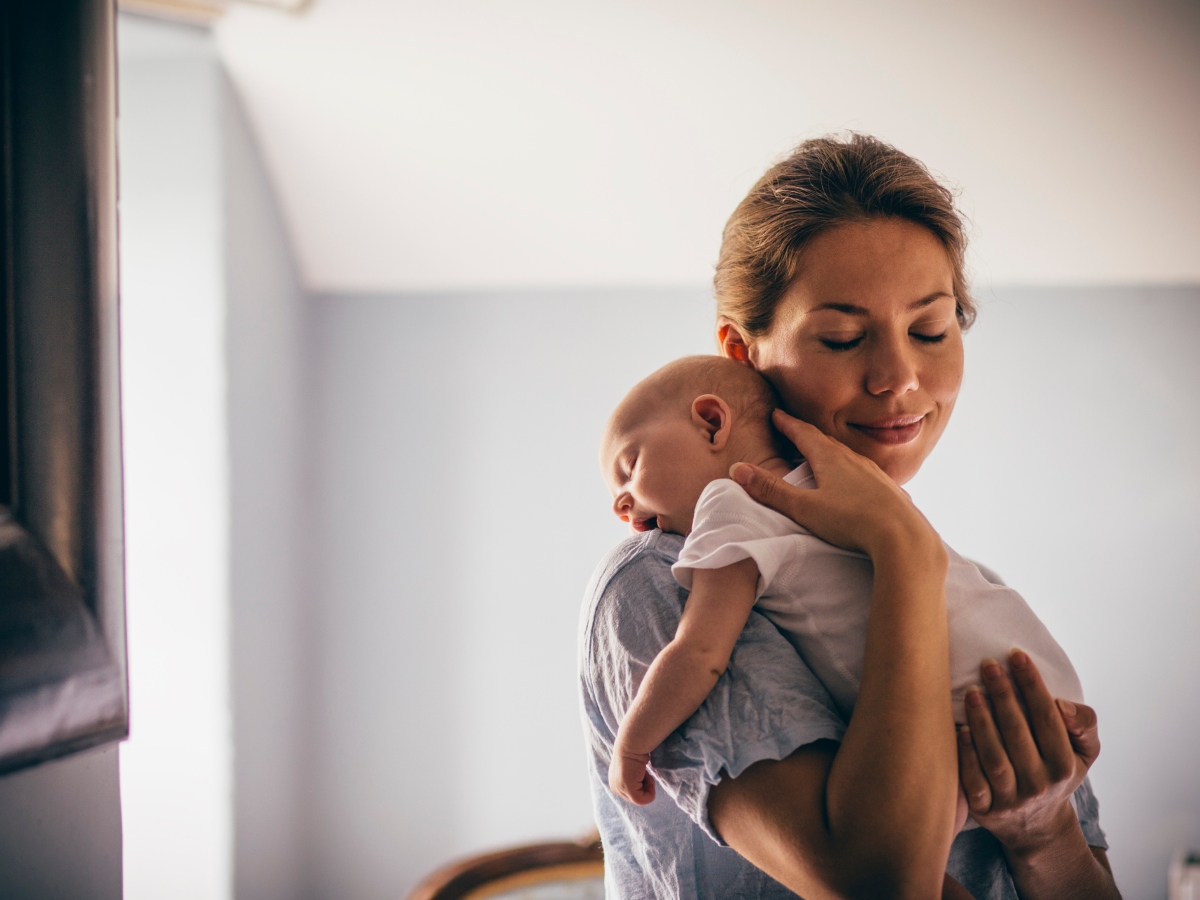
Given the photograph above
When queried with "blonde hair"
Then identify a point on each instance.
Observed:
(824, 183)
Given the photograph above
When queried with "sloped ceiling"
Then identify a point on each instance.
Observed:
(475, 144)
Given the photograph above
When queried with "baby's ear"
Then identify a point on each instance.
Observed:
(713, 415)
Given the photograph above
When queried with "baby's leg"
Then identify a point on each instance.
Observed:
(960, 810)
(952, 890)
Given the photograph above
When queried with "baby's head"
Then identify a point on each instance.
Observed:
(679, 429)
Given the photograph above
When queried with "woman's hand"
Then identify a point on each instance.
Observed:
(1019, 772)
(854, 506)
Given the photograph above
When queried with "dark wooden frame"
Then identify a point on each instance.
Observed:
(63, 683)
(458, 879)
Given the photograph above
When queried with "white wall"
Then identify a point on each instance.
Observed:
(176, 768)
(60, 829)
(212, 333)
(459, 514)
(589, 144)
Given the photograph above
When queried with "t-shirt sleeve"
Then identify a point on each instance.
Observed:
(1087, 807)
(729, 526)
(766, 705)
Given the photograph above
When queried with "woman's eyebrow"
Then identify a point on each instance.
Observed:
(932, 298)
(851, 310)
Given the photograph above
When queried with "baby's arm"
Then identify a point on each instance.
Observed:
(683, 673)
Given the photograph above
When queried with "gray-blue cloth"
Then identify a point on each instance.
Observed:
(766, 705)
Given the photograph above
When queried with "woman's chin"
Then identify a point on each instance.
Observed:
(899, 462)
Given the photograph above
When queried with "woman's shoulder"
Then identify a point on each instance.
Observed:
(631, 561)
(631, 607)
(632, 591)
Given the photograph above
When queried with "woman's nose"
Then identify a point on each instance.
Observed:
(892, 369)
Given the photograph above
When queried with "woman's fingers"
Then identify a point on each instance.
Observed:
(1013, 726)
(993, 758)
(809, 439)
(1049, 731)
(970, 773)
(771, 491)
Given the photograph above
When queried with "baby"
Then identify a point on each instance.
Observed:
(666, 453)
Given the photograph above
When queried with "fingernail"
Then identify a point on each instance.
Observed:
(992, 670)
(1067, 707)
(964, 736)
(1018, 659)
(974, 696)
(741, 473)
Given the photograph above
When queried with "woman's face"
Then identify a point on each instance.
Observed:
(865, 344)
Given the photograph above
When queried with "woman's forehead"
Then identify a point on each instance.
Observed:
(885, 264)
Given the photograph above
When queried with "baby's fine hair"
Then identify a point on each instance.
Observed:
(673, 388)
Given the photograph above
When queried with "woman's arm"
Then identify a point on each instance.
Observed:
(1019, 773)
(684, 673)
(874, 815)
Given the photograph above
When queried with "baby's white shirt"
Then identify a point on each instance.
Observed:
(819, 596)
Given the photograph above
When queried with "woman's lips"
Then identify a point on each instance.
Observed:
(892, 430)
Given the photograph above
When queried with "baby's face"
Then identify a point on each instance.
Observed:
(656, 471)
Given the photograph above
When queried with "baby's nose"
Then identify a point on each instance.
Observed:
(621, 507)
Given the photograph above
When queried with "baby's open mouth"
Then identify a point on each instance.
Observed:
(649, 523)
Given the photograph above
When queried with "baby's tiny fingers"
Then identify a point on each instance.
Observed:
(646, 794)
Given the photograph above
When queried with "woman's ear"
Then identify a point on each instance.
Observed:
(732, 342)
(713, 415)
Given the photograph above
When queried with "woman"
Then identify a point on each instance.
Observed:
(841, 280)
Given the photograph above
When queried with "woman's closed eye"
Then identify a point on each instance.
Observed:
(841, 341)
(849, 343)
(927, 338)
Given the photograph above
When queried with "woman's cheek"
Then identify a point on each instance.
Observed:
(947, 376)
(821, 397)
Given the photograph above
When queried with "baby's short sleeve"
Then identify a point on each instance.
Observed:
(729, 526)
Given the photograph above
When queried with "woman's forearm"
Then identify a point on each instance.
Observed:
(892, 786)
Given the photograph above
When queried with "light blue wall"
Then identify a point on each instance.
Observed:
(459, 513)
(458, 516)
(1072, 466)
(60, 829)
(265, 322)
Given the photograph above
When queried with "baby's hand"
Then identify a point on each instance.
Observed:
(629, 778)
